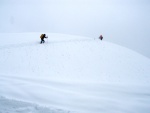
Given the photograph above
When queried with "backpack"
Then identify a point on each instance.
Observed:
(42, 35)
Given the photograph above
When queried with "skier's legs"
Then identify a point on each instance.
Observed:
(42, 41)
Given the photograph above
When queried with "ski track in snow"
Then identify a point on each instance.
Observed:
(72, 74)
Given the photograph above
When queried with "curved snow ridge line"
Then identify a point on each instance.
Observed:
(16, 45)
(37, 79)
(71, 40)
(15, 106)
(64, 87)
(47, 42)
(68, 86)
(32, 81)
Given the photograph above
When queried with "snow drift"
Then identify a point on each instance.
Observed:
(74, 74)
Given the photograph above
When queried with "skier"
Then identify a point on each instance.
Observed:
(101, 37)
(42, 38)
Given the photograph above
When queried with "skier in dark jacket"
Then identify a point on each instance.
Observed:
(42, 38)
(101, 37)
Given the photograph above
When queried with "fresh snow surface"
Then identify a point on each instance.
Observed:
(71, 74)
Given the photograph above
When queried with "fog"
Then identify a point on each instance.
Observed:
(124, 22)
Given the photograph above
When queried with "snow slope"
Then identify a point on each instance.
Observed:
(71, 74)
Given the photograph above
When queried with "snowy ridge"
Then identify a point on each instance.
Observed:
(13, 106)
(74, 74)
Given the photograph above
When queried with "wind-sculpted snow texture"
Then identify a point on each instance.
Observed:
(70, 74)
(13, 106)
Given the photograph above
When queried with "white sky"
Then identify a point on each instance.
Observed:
(125, 22)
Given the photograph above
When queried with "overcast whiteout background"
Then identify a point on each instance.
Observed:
(125, 22)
